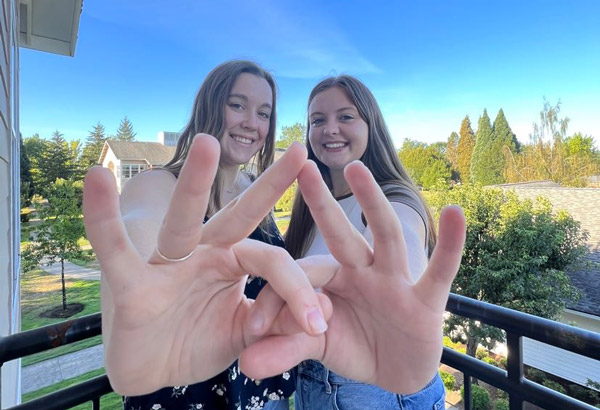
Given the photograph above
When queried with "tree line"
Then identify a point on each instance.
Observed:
(493, 155)
(43, 161)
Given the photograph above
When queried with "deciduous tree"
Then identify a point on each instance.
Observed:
(515, 255)
(55, 238)
(290, 134)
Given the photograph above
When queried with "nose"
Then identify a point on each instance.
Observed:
(331, 129)
(250, 122)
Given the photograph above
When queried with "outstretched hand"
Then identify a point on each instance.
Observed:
(385, 329)
(171, 323)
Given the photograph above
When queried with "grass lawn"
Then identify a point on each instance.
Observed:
(111, 401)
(40, 291)
(282, 224)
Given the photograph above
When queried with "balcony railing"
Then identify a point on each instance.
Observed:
(516, 325)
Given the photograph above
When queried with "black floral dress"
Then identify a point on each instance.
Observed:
(231, 389)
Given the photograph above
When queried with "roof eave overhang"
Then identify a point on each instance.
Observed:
(50, 26)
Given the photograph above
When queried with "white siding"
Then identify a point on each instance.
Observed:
(9, 195)
(567, 365)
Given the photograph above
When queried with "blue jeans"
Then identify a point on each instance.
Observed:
(321, 389)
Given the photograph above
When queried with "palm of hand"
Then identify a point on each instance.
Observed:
(385, 330)
(171, 323)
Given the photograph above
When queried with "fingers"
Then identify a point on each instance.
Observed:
(240, 217)
(287, 279)
(268, 314)
(345, 243)
(388, 242)
(277, 354)
(104, 227)
(182, 227)
(435, 284)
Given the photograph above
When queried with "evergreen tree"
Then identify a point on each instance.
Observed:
(465, 146)
(485, 155)
(93, 147)
(26, 179)
(56, 162)
(504, 143)
(296, 132)
(35, 146)
(125, 131)
(452, 153)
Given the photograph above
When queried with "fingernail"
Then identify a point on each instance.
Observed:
(316, 321)
(256, 321)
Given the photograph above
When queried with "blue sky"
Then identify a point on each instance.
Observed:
(428, 63)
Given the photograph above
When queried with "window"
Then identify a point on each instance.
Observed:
(130, 170)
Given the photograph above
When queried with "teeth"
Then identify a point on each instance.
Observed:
(335, 145)
(243, 140)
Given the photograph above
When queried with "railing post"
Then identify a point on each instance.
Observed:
(515, 367)
(467, 390)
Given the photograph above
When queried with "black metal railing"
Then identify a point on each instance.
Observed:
(516, 325)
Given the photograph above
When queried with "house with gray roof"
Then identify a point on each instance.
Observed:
(126, 159)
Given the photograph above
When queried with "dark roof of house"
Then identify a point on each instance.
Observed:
(153, 153)
(587, 280)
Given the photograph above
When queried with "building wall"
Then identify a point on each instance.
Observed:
(9, 195)
(116, 165)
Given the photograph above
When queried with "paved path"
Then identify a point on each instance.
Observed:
(73, 271)
(52, 371)
(70, 365)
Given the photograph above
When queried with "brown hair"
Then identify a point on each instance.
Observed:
(380, 158)
(208, 116)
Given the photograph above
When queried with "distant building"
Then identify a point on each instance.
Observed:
(168, 138)
(126, 159)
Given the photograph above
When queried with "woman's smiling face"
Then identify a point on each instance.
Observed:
(338, 135)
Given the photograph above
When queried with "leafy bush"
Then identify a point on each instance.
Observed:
(481, 353)
(501, 404)
(502, 362)
(490, 360)
(536, 375)
(551, 384)
(459, 347)
(479, 397)
(448, 379)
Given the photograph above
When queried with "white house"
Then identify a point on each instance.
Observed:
(126, 159)
(43, 25)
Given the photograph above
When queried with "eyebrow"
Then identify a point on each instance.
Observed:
(245, 98)
(341, 109)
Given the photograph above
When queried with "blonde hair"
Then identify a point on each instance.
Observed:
(380, 157)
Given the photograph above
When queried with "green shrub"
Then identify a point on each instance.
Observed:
(459, 347)
(579, 392)
(501, 404)
(501, 394)
(490, 360)
(479, 397)
(502, 362)
(448, 379)
(536, 375)
(551, 384)
(481, 353)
